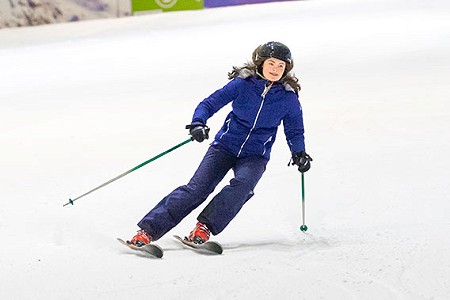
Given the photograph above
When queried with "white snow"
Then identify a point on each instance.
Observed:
(83, 102)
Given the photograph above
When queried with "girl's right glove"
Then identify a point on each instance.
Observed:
(198, 132)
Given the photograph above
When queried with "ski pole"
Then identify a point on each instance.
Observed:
(131, 170)
(303, 227)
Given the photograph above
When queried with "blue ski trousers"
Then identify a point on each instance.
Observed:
(222, 208)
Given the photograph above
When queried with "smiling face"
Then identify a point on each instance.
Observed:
(273, 69)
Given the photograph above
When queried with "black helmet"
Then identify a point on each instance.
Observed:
(272, 49)
(275, 50)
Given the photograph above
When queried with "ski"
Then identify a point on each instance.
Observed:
(151, 249)
(210, 247)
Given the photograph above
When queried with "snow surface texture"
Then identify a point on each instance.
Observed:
(84, 102)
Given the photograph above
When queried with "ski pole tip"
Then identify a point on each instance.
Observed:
(70, 202)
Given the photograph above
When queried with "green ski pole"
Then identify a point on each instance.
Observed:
(71, 201)
(303, 227)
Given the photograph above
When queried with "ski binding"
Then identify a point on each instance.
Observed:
(151, 249)
(209, 247)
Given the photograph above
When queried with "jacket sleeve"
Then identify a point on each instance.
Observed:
(293, 127)
(212, 104)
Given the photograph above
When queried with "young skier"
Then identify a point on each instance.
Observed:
(263, 94)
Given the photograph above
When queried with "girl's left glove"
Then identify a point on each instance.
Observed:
(198, 132)
(302, 160)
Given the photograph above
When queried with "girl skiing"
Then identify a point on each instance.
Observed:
(263, 94)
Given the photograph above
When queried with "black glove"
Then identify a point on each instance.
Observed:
(302, 160)
(198, 132)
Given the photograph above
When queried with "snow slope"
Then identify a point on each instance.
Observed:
(84, 102)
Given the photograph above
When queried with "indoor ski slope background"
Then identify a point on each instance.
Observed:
(82, 103)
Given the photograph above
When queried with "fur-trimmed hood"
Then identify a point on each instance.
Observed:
(246, 72)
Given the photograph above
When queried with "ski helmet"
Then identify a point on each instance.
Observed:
(273, 49)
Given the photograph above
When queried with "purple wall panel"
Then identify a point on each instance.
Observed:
(219, 3)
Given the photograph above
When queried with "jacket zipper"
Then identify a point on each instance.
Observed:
(263, 96)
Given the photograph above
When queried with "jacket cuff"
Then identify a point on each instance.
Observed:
(197, 122)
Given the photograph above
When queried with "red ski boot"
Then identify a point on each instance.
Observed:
(141, 238)
(200, 234)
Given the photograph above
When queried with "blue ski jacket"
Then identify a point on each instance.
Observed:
(257, 111)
